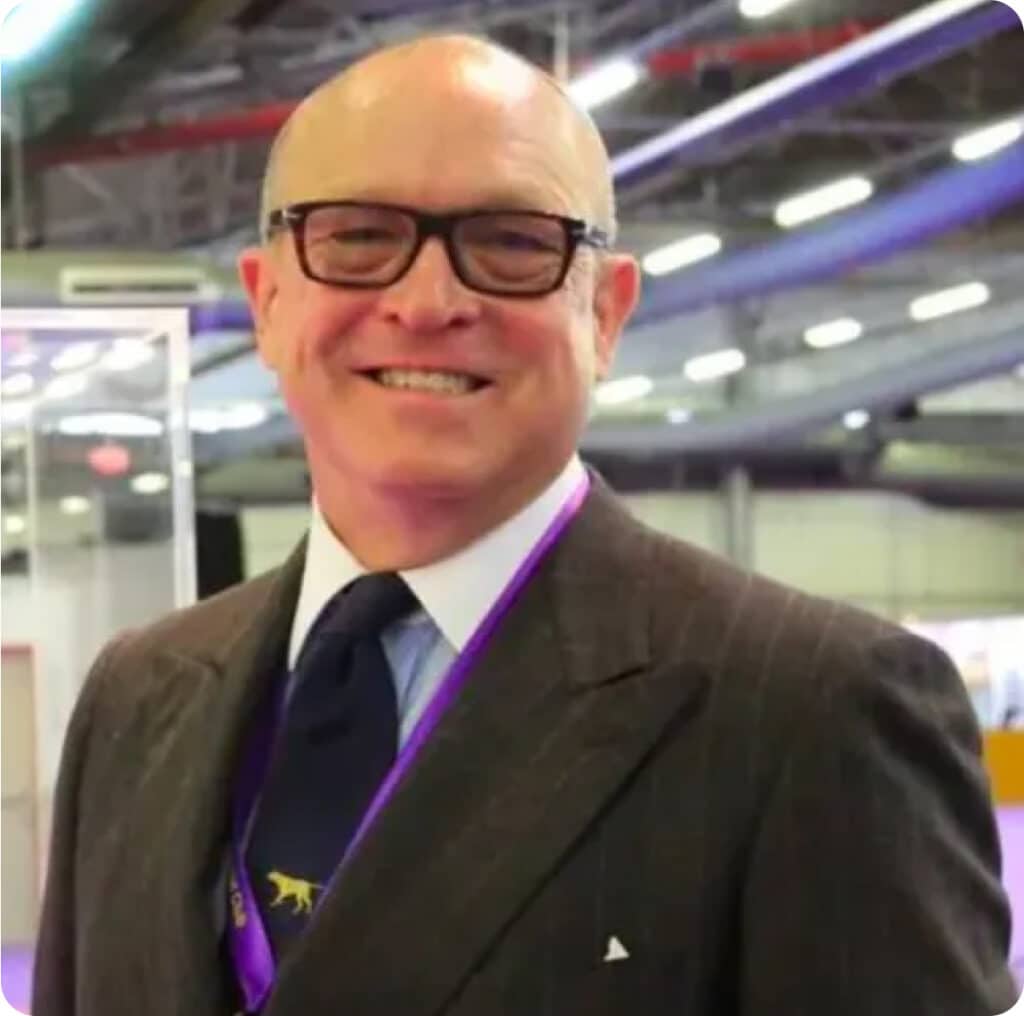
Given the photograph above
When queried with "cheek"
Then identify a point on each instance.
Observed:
(311, 324)
(554, 342)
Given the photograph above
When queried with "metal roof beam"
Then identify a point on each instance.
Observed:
(921, 38)
(945, 201)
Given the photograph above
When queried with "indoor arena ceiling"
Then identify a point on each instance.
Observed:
(137, 141)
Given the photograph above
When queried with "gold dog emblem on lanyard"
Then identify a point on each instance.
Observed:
(297, 889)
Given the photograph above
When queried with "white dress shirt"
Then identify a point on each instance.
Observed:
(454, 594)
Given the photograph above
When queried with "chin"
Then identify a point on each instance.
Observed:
(428, 475)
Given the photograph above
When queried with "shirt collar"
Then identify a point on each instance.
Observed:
(456, 592)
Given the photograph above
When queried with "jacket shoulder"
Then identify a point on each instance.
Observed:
(701, 603)
(751, 631)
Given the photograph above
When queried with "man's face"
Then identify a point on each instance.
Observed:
(456, 141)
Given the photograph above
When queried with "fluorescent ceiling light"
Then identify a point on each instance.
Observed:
(79, 355)
(14, 525)
(833, 333)
(74, 505)
(150, 483)
(16, 412)
(110, 424)
(243, 416)
(29, 24)
(949, 301)
(238, 417)
(625, 389)
(127, 354)
(833, 197)
(681, 253)
(762, 8)
(18, 384)
(856, 419)
(23, 359)
(981, 143)
(678, 415)
(603, 83)
(711, 366)
(205, 421)
(64, 387)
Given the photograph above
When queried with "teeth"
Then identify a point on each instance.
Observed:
(426, 381)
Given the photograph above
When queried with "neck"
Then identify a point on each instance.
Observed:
(395, 528)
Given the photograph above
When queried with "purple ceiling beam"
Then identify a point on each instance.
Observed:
(945, 201)
(758, 425)
(225, 315)
(916, 40)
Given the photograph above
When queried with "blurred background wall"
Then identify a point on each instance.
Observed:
(886, 553)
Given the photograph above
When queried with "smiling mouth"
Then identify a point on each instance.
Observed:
(433, 382)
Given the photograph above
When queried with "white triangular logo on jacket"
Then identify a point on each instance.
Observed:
(616, 951)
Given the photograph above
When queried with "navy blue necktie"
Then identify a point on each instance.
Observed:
(336, 743)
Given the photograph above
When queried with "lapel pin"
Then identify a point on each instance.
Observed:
(616, 951)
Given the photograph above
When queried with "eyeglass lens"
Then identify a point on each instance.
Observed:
(514, 252)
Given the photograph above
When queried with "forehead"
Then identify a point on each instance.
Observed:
(469, 135)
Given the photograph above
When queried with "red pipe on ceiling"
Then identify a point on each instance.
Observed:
(790, 47)
(257, 122)
(263, 121)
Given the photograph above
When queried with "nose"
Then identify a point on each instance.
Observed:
(430, 297)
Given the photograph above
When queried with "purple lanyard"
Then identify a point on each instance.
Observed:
(248, 940)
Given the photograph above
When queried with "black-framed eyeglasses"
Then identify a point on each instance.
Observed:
(361, 245)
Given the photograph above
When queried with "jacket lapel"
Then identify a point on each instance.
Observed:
(562, 707)
(215, 685)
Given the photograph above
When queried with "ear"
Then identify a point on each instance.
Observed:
(257, 271)
(615, 298)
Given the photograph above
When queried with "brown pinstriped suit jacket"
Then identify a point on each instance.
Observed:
(773, 803)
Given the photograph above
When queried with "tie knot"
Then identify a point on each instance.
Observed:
(367, 606)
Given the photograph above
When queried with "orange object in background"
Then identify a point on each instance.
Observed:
(1004, 758)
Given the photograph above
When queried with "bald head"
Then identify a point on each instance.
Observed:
(457, 88)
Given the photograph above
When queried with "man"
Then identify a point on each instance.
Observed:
(622, 776)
